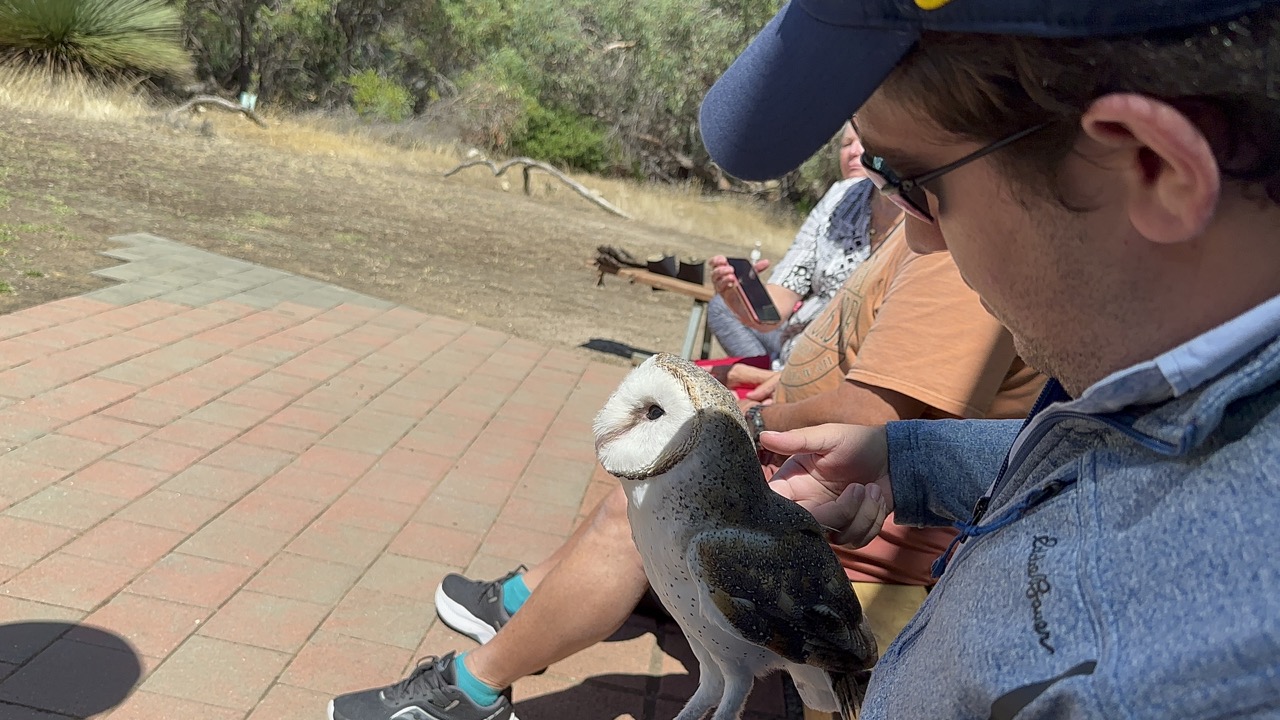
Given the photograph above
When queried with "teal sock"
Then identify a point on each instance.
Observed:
(514, 593)
(480, 693)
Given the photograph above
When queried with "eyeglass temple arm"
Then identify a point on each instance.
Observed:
(977, 154)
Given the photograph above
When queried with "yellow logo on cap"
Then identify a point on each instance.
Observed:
(931, 4)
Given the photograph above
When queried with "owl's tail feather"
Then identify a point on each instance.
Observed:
(850, 689)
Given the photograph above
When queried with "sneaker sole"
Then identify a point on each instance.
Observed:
(513, 715)
(460, 619)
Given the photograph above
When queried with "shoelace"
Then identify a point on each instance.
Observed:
(426, 679)
(490, 592)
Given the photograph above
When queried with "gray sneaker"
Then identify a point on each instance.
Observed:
(473, 607)
(429, 693)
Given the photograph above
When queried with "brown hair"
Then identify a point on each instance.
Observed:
(983, 88)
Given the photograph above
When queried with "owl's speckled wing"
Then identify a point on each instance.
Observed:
(783, 590)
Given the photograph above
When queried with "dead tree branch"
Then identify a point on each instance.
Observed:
(529, 164)
(222, 103)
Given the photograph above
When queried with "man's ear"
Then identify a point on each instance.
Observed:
(1171, 175)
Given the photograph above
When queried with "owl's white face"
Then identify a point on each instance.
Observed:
(647, 425)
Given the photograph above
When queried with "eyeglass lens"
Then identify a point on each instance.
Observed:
(912, 200)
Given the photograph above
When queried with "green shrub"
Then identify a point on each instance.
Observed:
(375, 96)
(563, 138)
(101, 36)
(492, 105)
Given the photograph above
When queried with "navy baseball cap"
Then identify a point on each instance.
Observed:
(817, 61)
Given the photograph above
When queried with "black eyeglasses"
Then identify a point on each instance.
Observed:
(909, 194)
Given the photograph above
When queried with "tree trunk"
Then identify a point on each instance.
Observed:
(244, 73)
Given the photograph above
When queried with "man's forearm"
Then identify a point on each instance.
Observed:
(939, 468)
(852, 403)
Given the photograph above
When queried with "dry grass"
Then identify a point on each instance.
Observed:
(725, 219)
(67, 95)
(411, 147)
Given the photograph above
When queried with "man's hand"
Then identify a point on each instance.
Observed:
(763, 391)
(740, 374)
(840, 474)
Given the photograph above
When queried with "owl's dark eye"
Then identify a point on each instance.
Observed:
(655, 412)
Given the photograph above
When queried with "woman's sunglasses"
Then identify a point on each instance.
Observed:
(909, 194)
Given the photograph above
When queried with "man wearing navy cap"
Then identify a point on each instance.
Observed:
(1106, 176)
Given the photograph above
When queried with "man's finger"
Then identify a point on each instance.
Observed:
(867, 525)
(819, 439)
(841, 512)
(760, 393)
(856, 515)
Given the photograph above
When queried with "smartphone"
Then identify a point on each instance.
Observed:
(753, 292)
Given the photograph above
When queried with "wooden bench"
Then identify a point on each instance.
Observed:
(700, 294)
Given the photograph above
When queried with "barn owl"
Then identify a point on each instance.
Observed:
(745, 572)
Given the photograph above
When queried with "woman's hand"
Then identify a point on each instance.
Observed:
(722, 275)
(840, 474)
(726, 284)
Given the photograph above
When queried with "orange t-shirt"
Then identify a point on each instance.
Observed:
(908, 323)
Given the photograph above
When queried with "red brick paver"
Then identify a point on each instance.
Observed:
(242, 510)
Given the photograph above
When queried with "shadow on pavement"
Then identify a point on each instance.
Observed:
(597, 697)
(76, 671)
(612, 347)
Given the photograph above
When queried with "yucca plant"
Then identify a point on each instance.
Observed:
(99, 36)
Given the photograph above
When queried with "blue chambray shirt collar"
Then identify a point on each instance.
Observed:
(1185, 367)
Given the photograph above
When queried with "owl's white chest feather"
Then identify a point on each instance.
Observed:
(662, 531)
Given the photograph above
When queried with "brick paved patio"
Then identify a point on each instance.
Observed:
(229, 492)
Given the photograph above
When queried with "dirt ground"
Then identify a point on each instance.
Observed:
(462, 248)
